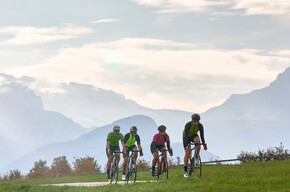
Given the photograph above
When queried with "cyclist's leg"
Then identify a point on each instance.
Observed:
(110, 157)
(125, 164)
(197, 140)
(187, 153)
(134, 147)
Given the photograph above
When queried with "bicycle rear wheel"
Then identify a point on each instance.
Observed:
(197, 166)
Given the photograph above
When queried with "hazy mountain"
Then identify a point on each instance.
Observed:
(93, 144)
(259, 119)
(25, 125)
(95, 107)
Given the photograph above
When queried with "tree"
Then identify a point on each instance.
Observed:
(39, 170)
(60, 167)
(142, 164)
(86, 166)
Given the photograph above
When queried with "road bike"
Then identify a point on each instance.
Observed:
(162, 165)
(195, 161)
(114, 171)
(131, 172)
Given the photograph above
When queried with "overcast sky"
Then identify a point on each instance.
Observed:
(173, 54)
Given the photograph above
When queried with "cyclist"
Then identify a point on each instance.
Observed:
(158, 142)
(129, 145)
(113, 139)
(190, 135)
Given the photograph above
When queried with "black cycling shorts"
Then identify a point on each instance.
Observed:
(191, 139)
(158, 147)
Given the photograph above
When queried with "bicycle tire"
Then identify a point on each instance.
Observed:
(129, 171)
(116, 174)
(164, 168)
(112, 171)
(197, 166)
(190, 166)
(157, 172)
(134, 171)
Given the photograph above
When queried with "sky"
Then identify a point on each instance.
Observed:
(163, 54)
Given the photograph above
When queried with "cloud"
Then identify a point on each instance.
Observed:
(106, 21)
(231, 7)
(161, 73)
(175, 6)
(261, 7)
(31, 35)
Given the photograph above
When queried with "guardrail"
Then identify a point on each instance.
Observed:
(249, 159)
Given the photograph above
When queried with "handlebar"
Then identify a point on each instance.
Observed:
(195, 144)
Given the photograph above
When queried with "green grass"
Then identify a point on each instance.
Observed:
(258, 176)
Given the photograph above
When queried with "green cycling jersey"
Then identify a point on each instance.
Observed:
(114, 140)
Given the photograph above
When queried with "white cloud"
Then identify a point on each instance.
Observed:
(161, 73)
(32, 35)
(172, 6)
(106, 21)
(262, 7)
(250, 7)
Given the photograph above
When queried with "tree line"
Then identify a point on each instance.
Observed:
(60, 167)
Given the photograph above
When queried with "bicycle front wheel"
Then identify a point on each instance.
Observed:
(197, 166)
(112, 172)
(134, 171)
(164, 168)
(190, 166)
(116, 173)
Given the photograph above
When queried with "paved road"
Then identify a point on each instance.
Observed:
(89, 184)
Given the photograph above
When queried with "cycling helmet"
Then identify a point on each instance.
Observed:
(161, 128)
(133, 129)
(116, 128)
(195, 117)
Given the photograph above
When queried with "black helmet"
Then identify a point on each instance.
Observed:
(195, 117)
(116, 128)
(133, 129)
(161, 128)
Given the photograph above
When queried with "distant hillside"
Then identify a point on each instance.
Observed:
(93, 144)
(259, 119)
(25, 125)
(94, 107)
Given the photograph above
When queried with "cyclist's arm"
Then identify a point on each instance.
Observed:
(168, 145)
(154, 145)
(139, 147)
(186, 133)
(108, 145)
(201, 133)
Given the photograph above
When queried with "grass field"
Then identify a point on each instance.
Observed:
(258, 176)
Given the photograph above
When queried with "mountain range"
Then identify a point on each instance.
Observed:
(39, 121)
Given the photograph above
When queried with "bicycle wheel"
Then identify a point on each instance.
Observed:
(112, 171)
(190, 166)
(129, 170)
(197, 166)
(158, 171)
(116, 172)
(164, 168)
(134, 171)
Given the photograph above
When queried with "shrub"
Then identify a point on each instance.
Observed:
(86, 166)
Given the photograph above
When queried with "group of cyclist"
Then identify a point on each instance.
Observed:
(190, 134)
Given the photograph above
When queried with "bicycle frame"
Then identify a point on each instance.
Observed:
(114, 170)
(195, 161)
(162, 164)
(131, 172)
